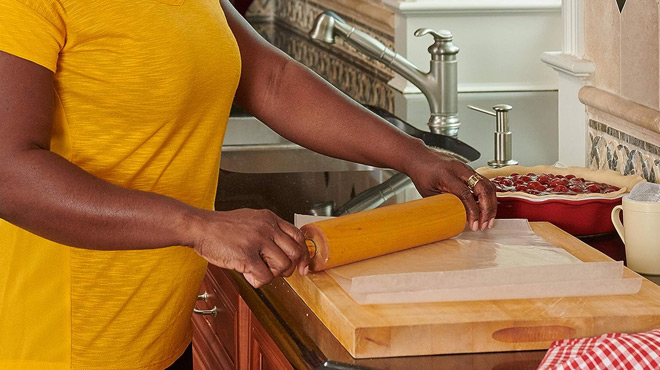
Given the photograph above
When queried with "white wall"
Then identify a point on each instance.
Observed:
(499, 62)
(532, 121)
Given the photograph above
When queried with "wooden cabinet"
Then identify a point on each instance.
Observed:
(215, 336)
(262, 351)
(232, 338)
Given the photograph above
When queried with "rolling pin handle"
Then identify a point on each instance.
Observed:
(311, 247)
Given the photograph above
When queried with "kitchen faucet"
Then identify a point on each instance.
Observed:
(439, 85)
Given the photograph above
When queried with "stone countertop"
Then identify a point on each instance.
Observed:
(308, 344)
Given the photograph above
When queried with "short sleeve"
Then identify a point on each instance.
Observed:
(32, 30)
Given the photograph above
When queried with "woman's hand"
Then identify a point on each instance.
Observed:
(436, 172)
(256, 243)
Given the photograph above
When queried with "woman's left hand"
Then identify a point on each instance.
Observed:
(438, 172)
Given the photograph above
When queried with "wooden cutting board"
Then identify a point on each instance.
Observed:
(390, 330)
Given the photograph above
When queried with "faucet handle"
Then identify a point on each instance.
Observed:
(440, 35)
(443, 45)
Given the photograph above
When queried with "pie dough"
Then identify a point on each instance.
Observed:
(624, 182)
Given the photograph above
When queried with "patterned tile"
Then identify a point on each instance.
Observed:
(612, 149)
(261, 8)
(612, 158)
(285, 24)
(653, 176)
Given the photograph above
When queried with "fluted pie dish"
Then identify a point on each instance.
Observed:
(576, 199)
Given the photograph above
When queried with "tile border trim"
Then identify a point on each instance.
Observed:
(624, 137)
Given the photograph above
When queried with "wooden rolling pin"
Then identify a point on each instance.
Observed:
(338, 241)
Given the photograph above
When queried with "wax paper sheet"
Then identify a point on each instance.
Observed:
(508, 261)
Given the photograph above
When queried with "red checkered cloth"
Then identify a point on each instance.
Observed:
(609, 351)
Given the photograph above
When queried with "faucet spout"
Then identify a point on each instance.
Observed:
(439, 85)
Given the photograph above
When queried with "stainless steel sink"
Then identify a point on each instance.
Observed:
(260, 169)
(252, 147)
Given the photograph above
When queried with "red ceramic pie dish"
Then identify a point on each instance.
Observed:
(587, 216)
(583, 214)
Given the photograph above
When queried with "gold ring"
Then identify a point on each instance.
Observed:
(472, 181)
(311, 249)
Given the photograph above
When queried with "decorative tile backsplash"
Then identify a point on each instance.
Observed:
(285, 23)
(612, 149)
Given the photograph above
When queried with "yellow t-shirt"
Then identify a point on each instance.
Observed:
(143, 91)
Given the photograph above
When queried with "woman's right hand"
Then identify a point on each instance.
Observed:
(256, 243)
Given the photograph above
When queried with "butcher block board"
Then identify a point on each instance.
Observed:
(390, 330)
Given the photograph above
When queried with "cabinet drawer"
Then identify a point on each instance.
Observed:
(208, 353)
(224, 325)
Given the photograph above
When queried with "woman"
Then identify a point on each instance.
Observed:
(111, 124)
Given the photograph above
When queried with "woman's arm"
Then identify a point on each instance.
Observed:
(305, 109)
(51, 197)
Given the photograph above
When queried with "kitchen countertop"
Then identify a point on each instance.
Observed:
(308, 344)
(654, 278)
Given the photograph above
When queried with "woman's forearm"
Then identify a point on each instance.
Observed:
(297, 103)
(306, 121)
(53, 198)
(305, 109)
(47, 195)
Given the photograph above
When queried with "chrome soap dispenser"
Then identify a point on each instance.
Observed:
(502, 137)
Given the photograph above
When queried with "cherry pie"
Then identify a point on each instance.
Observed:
(550, 184)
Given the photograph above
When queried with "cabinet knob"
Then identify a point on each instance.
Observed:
(204, 297)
